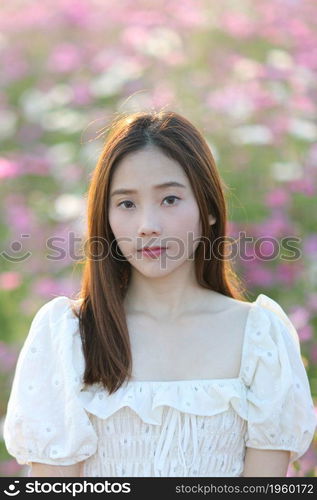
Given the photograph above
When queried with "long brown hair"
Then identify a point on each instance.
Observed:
(105, 280)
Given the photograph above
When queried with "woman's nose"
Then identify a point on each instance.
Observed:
(149, 223)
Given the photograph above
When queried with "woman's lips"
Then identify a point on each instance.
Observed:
(152, 252)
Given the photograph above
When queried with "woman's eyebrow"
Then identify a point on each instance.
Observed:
(158, 186)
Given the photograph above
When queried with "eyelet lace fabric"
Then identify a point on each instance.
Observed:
(158, 428)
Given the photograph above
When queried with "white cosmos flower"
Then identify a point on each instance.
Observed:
(303, 129)
(252, 134)
(68, 206)
(8, 121)
(286, 171)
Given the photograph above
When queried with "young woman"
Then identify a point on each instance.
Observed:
(160, 366)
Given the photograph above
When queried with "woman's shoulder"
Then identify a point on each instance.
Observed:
(58, 302)
(54, 319)
(216, 302)
(263, 307)
(259, 319)
(271, 312)
(53, 333)
(233, 310)
(56, 306)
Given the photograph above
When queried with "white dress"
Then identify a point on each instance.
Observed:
(153, 428)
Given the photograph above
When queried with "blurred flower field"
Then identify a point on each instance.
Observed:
(243, 72)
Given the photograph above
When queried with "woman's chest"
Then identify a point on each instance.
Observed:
(201, 347)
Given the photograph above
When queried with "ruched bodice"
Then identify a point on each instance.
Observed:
(170, 440)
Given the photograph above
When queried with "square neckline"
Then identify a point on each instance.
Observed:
(209, 380)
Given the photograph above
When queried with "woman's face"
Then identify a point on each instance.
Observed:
(153, 216)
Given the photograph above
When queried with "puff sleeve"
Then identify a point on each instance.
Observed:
(45, 421)
(280, 408)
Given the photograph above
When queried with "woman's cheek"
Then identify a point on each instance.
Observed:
(117, 223)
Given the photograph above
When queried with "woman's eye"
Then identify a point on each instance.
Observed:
(176, 198)
(167, 197)
(124, 201)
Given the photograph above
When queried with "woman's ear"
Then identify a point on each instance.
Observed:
(212, 219)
